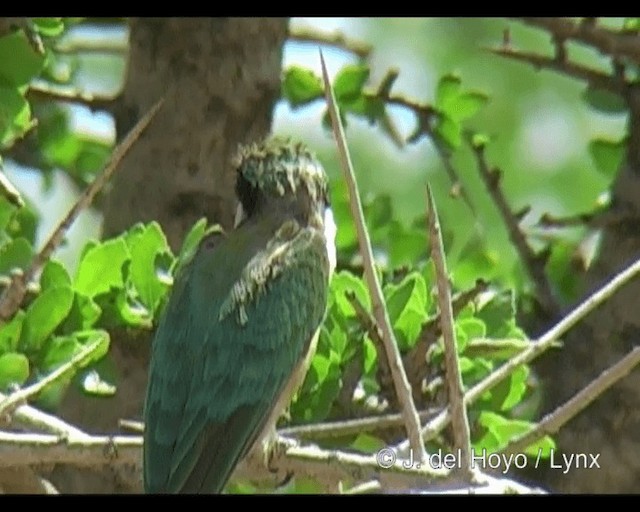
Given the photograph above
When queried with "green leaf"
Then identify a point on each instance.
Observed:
(84, 313)
(366, 443)
(16, 253)
(367, 106)
(501, 430)
(320, 366)
(145, 244)
(349, 81)
(57, 351)
(498, 314)
(447, 91)
(191, 241)
(608, 155)
(15, 115)
(406, 245)
(472, 327)
(24, 224)
(45, 313)
(378, 212)
(338, 340)
(10, 333)
(604, 101)
(449, 131)
(370, 356)
(54, 274)
(48, 27)
(20, 62)
(342, 283)
(466, 105)
(301, 86)
(100, 268)
(517, 388)
(14, 369)
(407, 307)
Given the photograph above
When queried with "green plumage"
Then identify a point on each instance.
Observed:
(239, 321)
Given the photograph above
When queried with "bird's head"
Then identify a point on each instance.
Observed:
(278, 177)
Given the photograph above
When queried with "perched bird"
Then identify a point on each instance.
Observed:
(240, 327)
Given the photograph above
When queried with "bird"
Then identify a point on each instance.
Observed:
(241, 324)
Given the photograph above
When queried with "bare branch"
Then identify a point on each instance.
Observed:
(594, 78)
(350, 427)
(608, 42)
(553, 421)
(46, 91)
(461, 433)
(533, 263)
(403, 389)
(23, 395)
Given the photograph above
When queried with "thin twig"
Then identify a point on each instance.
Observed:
(595, 79)
(28, 416)
(23, 395)
(46, 91)
(455, 387)
(533, 264)
(547, 220)
(336, 39)
(350, 427)
(608, 42)
(402, 386)
(537, 347)
(12, 296)
(553, 421)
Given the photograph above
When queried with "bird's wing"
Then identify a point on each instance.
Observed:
(208, 398)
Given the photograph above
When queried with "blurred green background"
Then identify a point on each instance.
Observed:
(538, 123)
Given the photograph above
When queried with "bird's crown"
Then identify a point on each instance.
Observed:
(278, 166)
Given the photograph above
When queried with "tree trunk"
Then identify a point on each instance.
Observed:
(610, 426)
(220, 79)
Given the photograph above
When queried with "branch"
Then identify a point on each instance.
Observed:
(46, 91)
(461, 433)
(539, 346)
(403, 389)
(12, 296)
(350, 427)
(608, 42)
(553, 421)
(20, 449)
(335, 39)
(28, 416)
(533, 263)
(23, 395)
(594, 78)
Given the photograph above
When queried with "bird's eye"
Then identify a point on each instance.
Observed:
(212, 241)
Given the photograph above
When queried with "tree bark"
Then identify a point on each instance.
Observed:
(220, 79)
(610, 426)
